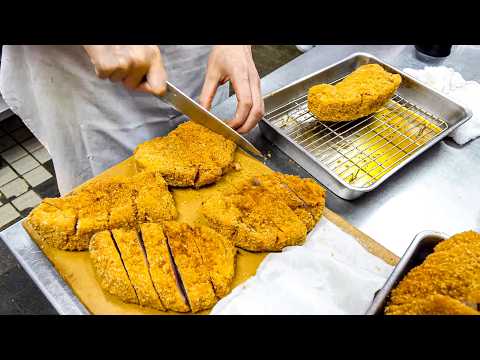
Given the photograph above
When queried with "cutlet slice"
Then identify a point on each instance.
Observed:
(218, 254)
(56, 226)
(162, 269)
(432, 305)
(91, 220)
(190, 155)
(153, 201)
(136, 263)
(361, 93)
(108, 266)
(193, 272)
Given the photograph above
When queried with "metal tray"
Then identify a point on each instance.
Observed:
(419, 249)
(355, 157)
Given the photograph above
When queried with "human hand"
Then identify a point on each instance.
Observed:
(138, 67)
(235, 63)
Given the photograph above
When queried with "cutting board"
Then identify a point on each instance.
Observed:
(76, 268)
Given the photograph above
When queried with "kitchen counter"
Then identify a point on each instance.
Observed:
(437, 191)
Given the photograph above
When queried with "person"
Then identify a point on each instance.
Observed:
(88, 124)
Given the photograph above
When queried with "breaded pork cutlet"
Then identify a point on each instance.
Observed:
(162, 269)
(304, 196)
(136, 263)
(190, 155)
(109, 268)
(453, 270)
(193, 272)
(361, 93)
(68, 223)
(432, 305)
(267, 213)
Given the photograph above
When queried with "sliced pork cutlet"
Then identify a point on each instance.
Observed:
(190, 155)
(68, 223)
(136, 263)
(54, 222)
(153, 201)
(162, 269)
(304, 196)
(109, 268)
(193, 272)
(218, 254)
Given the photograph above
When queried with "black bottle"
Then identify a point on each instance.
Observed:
(438, 51)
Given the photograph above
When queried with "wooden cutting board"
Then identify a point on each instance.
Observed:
(76, 268)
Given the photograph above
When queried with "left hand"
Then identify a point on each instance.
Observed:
(235, 63)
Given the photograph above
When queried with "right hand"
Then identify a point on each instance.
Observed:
(138, 67)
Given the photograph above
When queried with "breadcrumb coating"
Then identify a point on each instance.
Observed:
(194, 273)
(68, 223)
(432, 305)
(108, 266)
(453, 270)
(190, 155)
(162, 269)
(359, 94)
(136, 264)
(218, 254)
(268, 212)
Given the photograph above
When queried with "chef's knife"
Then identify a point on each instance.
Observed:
(198, 114)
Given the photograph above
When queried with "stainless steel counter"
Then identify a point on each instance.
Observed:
(439, 191)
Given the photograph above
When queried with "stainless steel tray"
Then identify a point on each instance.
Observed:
(353, 158)
(419, 249)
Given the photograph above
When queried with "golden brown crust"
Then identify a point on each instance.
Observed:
(136, 264)
(452, 270)
(68, 223)
(432, 305)
(56, 227)
(267, 212)
(193, 272)
(109, 268)
(161, 268)
(190, 155)
(304, 196)
(218, 254)
(361, 93)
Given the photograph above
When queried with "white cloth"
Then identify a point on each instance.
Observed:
(88, 124)
(330, 274)
(451, 83)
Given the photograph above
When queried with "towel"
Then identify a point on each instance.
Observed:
(330, 274)
(451, 83)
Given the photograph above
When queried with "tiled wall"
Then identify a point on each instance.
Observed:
(26, 172)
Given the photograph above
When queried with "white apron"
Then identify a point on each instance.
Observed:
(88, 124)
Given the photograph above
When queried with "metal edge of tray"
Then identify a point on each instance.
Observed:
(328, 178)
(403, 267)
(45, 276)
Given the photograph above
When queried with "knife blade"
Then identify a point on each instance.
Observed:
(198, 114)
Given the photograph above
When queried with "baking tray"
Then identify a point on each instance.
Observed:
(421, 246)
(355, 157)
